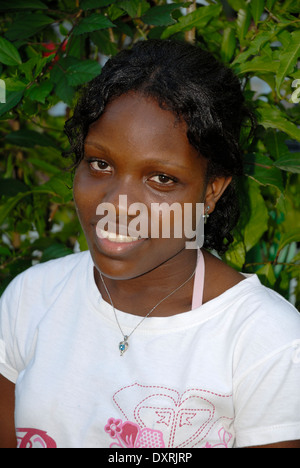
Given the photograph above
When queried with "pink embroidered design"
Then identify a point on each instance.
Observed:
(34, 438)
(224, 437)
(130, 435)
(189, 419)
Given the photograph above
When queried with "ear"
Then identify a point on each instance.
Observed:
(214, 190)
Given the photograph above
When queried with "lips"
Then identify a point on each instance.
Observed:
(113, 244)
(116, 238)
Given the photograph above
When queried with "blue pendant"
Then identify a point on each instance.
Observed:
(123, 345)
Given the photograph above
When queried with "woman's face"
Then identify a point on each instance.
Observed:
(135, 152)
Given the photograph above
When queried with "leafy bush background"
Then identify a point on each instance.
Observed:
(49, 48)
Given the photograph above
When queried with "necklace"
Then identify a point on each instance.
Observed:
(123, 345)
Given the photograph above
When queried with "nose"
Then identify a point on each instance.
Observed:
(120, 203)
(121, 193)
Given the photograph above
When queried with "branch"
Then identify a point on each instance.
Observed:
(59, 49)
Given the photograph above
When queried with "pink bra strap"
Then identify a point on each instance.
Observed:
(199, 282)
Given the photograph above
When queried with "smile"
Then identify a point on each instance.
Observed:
(117, 238)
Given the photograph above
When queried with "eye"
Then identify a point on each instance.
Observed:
(99, 165)
(163, 179)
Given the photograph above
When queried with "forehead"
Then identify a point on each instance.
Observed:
(135, 121)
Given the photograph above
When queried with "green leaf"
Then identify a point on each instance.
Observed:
(45, 166)
(237, 4)
(270, 4)
(82, 72)
(33, 67)
(289, 162)
(65, 92)
(134, 8)
(10, 204)
(104, 43)
(262, 38)
(257, 65)
(266, 275)
(258, 221)
(288, 238)
(12, 99)
(271, 117)
(288, 59)
(161, 15)
(198, 18)
(9, 54)
(228, 44)
(22, 5)
(39, 92)
(91, 23)
(55, 251)
(12, 84)
(62, 89)
(29, 139)
(59, 187)
(242, 24)
(235, 255)
(11, 187)
(26, 25)
(91, 4)
(256, 8)
(275, 143)
(260, 168)
(4, 252)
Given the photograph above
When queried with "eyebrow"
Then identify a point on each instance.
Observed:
(153, 161)
(94, 143)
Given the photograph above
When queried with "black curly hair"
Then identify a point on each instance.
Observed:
(191, 83)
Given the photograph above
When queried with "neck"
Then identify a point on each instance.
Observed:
(138, 295)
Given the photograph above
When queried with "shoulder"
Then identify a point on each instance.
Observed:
(45, 279)
(32, 294)
(41, 293)
(268, 326)
(261, 315)
(275, 318)
(60, 266)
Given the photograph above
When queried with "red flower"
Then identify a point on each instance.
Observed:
(52, 49)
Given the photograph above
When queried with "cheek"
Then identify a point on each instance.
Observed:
(85, 196)
(166, 220)
(78, 193)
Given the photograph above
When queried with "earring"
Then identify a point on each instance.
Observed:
(206, 215)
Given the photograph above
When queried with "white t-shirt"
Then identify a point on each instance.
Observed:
(226, 374)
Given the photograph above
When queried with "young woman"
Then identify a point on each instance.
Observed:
(141, 341)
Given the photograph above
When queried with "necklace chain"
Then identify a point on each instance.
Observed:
(123, 345)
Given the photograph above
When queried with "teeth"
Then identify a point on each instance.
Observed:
(113, 237)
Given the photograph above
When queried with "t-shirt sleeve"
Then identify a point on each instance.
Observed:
(9, 305)
(268, 400)
(267, 389)
(23, 305)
